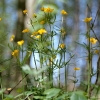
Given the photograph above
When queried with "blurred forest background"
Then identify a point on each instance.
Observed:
(14, 21)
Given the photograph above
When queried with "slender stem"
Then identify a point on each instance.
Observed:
(22, 53)
(40, 58)
(74, 81)
(89, 67)
(18, 83)
(51, 69)
(59, 77)
(1, 84)
(21, 65)
(65, 73)
(35, 61)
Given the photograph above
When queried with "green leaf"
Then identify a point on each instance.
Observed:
(9, 97)
(62, 97)
(32, 71)
(27, 93)
(2, 90)
(51, 92)
(78, 95)
(39, 97)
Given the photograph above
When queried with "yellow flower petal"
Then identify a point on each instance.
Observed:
(15, 53)
(25, 11)
(25, 31)
(38, 36)
(63, 12)
(47, 10)
(93, 40)
(76, 68)
(42, 9)
(88, 19)
(34, 15)
(42, 31)
(62, 46)
(20, 42)
(42, 22)
(12, 38)
(96, 51)
(34, 34)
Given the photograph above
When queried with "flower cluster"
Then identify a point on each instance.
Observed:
(47, 10)
(38, 33)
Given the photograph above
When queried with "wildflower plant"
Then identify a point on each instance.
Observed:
(41, 43)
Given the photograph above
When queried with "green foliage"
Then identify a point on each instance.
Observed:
(51, 93)
(78, 95)
(1, 91)
(37, 82)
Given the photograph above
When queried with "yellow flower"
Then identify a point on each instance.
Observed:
(96, 51)
(25, 11)
(25, 31)
(38, 37)
(42, 22)
(63, 32)
(34, 34)
(20, 42)
(12, 37)
(15, 53)
(93, 40)
(62, 46)
(42, 31)
(76, 68)
(47, 10)
(34, 15)
(42, 9)
(0, 19)
(88, 19)
(63, 12)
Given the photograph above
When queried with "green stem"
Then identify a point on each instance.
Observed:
(22, 53)
(22, 71)
(51, 69)
(1, 84)
(35, 61)
(65, 73)
(74, 81)
(89, 67)
(59, 77)
(41, 59)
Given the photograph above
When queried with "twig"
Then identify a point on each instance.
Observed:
(9, 91)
